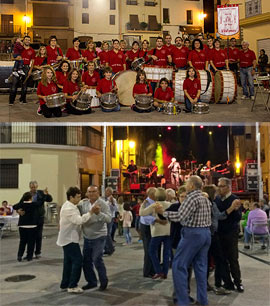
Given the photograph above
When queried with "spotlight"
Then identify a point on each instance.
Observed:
(159, 135)
(201, 126)
(210, 133)
(169, 128)
(219, 125)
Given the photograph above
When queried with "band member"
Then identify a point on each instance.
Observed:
(117, 59)
(28, 56)
(168, 44)
(90, 53)
(180, 54)
(187, 43)
(47, 86)
(104, 54)
(192, 89)
(132, 54)
(75, 53)
(163, 93)
(123, 46)
(175, 168)
(54, 53)
(41, 58)
(218, 58)
(91, 76)
(159, 54)
(233, 56)
(152, 175)
(200, 36)
(228, 170)
(144, 50)
(133, 171)
(141, 87)
(208, 172)
(62, 74)
(210, 46)
(197, 58)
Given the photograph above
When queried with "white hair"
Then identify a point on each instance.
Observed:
(170, 192)
(245, 42)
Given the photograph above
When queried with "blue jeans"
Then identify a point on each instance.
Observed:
(246, 76)
(92, 256)
(116, 109)
(188, 103)
(248, 235)
(192, 249)
(127, 234)
(153, 253)
(72, 265)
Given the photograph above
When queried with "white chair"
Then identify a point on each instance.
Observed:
(265, 237)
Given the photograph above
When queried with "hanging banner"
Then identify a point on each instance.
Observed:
(228, 19)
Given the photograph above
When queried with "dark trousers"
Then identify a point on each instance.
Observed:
(16, 83)
(38, 240)
(109, 248)
(114, 227)
(153, 179)
(27, 237)
(48, 112)
(74, 111)
(229, 245)
(72, 265)
(148, 268)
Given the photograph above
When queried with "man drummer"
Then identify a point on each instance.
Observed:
(152, 175)
(54, 53)
(180, 54)
(28, 56)
(233, 56)
(168, 44)
(132, 54)
(133, 171)
(175, 168)
(75, 53)
(116, 58)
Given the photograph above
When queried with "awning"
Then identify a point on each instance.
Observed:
(152, 23)
(190, 29)
(134, 22)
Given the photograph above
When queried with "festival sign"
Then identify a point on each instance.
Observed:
(228, 19)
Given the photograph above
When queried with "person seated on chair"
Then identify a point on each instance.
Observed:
(257, 215)
(6, 210)
(107, 85)
(192, 89)
(163, 94)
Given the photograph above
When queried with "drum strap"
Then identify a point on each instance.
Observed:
(148, 89)
(57, 50)
(154, 53)
(44, 61)
(209, 80)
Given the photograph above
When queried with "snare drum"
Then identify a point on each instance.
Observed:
(95, 100)
(155, 73)
(225, 87)
(125, 81)
(109, 101)
(170, 108)
(75, 64)
(143, 102)
(201, 108)
(83, 102)
(36, 75)
(55, 100)
(137, 64)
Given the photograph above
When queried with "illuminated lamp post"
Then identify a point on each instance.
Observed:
(26, 20)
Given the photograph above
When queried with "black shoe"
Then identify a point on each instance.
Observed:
(88, 286)
(19, 258)
(191, 300)
(229, 287)
(38, 256)
(263, 247)
(103, 286)
(187, 110)
(24, 258)
(209, 288)
(240, 288)
(247, 247)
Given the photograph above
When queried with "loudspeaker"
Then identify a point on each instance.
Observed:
(115, 172)
(112, 182)
(252, 183)
(252, 169)
(119, 132)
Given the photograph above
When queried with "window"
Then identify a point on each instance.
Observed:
(166, 17)
(85, 3)
(9, 173)
(253, 8)
(132, 2)
(112, 5)
(56, 135)
(7, 1)
(85, 18)
(189, 17)
(150, 3)
(112, 19)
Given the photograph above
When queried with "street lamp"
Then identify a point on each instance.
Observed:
(202, 16)
(26, 19)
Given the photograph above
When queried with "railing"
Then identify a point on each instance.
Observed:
(132, 2)
(49, 0)
(10, 29)
(150, 3)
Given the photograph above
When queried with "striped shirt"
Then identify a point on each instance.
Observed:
(195, 211)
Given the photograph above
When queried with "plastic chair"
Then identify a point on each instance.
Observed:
(260, 89)
(266, 236)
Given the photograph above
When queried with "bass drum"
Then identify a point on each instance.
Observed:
(225, 87)
(155, 73)
(207, 88)
(125, 81)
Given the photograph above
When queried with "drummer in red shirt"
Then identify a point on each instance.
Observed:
(159, 54)
(107, 85)
(141, 87)
(46, 87)
(90, 77)
(54, 53)
(168, 44)
(192, 89)
(75, 53)
(104, 58)
(180, 54)
(197, 58)
(234, 54)
(90, 54)
(248, 65)
(144, 50)
(41, 59)
(163, 94)
(62, 74)
(218, 58)
(117, 59)
(132, 54)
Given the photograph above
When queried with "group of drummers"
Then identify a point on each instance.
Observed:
(69, 83)
(179, 172)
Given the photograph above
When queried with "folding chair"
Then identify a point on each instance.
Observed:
(266, 236)
(260, 89)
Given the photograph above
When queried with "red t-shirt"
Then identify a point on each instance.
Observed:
(198, 59)
(105, 85)
(42, 90)
(246, 58)
(27, 55)
(90, 80)
(117, 60)
(132, 55)
(52, 54)
(61, 78)
(70, 88)
(192, 87)
(141, 88)
(234, 54)
(143, 54)
(180, 56)
(136, 209)
(90, 55)
(161, 54)
(218, 57)
(166, 95)
(209, 52)
(104, 57)
(170, 49)
(73, 54)
(39, 61)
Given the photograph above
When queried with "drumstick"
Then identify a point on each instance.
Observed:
(77, 95)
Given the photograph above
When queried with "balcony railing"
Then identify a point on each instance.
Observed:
(150, 3)
(9, 30)
(132, 2)
(49, 0)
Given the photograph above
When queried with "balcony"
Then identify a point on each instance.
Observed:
(150, 3)
(132, 2)
(64, 1)
(9, 30)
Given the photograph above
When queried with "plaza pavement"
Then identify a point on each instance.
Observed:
(126, 284)
(239, 111)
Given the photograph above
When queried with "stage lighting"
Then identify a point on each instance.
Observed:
(201, 126)
(169, 128)
(210, 132)
(131, 144)
(159, 135)
(219, 125)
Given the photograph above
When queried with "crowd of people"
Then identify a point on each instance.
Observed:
(93, 68)
(194, 227)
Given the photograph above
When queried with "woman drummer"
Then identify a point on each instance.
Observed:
(90, 53)
(46, 87)
(90, 77)
(62, 74)
(40, 60)
(104, 58)
(75, 53)
(72, 89)
(141, 87)
(163, 94)
(132, 54)
(218, 58)
(144, 50)
(197, 58)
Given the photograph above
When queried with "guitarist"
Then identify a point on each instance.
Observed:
(175, 169)
(133, 171)
(228, 170)
(152, 175)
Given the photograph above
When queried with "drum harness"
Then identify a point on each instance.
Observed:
(209, 80)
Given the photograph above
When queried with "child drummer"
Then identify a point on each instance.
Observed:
(107, 85)
(192, 89)
(163, 94)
